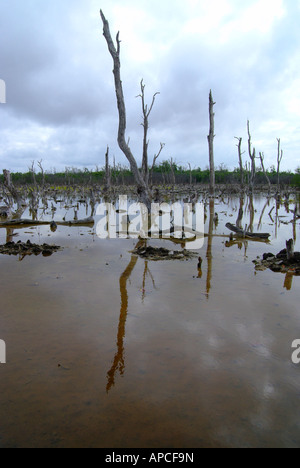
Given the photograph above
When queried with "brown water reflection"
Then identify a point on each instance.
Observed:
(118, 362)
(105, 349)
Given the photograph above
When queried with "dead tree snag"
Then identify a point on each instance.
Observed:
(210, 138)
(114, 50)
(252, 155)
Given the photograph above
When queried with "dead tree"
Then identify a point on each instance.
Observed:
(34, 203)
(32, 170)
(146, 112)
(262, 157)
(42, 172)
(191, 174)
(107, 171)
(240, 153)
(247, 169)
(252, 155)
(279, 159)
(210, 138)
(156, 156)
(173, 177)
(16, 197)
(114, 50)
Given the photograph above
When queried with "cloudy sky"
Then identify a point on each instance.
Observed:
(60, 102)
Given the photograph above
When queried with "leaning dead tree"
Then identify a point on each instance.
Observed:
(156, 156)
(262, 157)
(210, 138)
(252, 155)
(114, 50)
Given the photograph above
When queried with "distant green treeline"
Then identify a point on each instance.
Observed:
(161, 174)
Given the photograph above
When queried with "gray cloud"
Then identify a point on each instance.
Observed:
(60, 97)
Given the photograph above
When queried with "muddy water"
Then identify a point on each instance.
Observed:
(105, 349)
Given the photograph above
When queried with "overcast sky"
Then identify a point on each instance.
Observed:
(60, 99)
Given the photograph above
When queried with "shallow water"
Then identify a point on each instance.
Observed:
(105, 349)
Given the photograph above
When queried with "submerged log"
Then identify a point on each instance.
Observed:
(77, 222)
(241, 233)
(13, 223)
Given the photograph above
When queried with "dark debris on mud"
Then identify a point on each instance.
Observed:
(152, 253)
(27, 248)
(279, 263)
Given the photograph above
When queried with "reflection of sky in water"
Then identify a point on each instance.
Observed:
(150, 353)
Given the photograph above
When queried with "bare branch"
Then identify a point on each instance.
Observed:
(156, 156)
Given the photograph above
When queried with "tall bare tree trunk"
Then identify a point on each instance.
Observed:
(252, 155)
(107, 170)
(241, 212)
(143, 189)
(279, 159)
(240, 160)
(145, 124)
(210, 138)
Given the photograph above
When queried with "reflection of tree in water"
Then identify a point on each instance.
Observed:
(209, 246)
(245, 207)
(146, 273)
(119, 361)
(288, 282)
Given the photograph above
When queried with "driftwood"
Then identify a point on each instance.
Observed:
(13, 223)
(246, 234)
